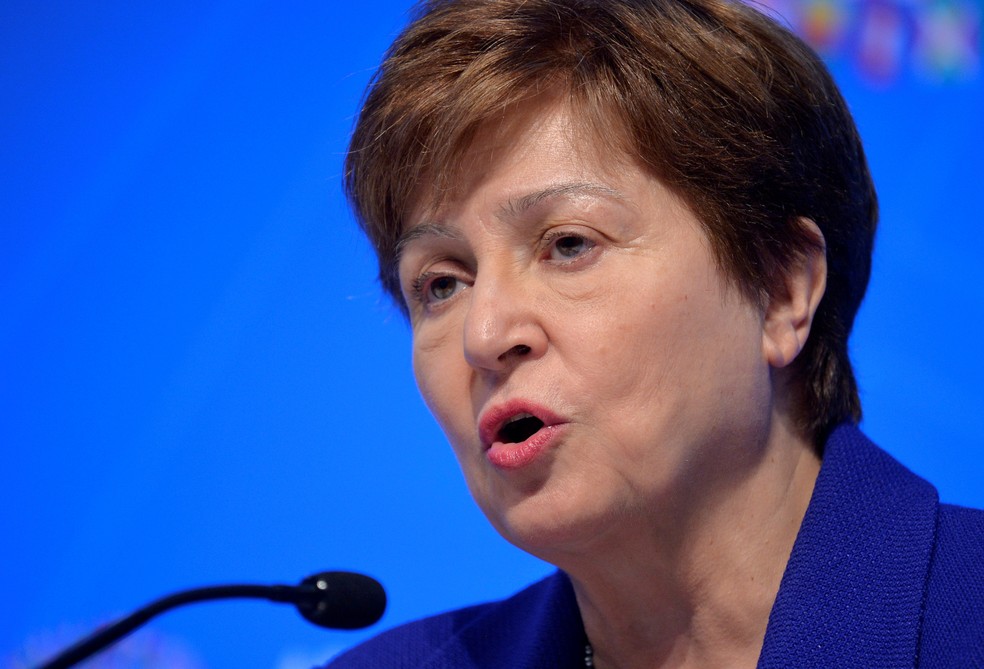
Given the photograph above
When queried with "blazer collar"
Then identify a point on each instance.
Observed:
(852, 592)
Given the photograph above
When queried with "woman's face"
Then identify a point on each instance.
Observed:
(577, 343)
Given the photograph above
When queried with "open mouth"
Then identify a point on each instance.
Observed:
(519, 428)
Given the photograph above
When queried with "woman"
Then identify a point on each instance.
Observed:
(631, 238)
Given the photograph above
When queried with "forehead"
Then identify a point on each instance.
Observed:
(535, 152)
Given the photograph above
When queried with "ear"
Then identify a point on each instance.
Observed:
(789, 316)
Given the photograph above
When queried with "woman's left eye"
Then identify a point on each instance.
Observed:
(566, 247)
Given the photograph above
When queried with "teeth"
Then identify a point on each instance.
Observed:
(519, 416)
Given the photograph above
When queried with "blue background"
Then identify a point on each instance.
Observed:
(201, 383)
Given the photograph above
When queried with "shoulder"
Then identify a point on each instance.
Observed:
(878, 560)
(953, 623)
(538, 622)
(960, 535)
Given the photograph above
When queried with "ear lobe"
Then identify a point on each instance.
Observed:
(789, 316)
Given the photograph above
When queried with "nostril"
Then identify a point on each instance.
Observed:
(519, 350)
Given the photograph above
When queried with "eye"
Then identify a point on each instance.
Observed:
(442, 287)
(430, 288)
(565, 247)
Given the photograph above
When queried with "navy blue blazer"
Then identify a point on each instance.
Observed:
(881, 575)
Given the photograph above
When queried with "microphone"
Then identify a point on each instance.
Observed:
(333, 599)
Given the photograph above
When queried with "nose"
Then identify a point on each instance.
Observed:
(502, 326)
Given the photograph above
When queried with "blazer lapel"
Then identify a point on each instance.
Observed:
(852, 592)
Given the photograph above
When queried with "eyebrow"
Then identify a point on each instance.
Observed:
(512, 209)
(440, 230)
(515, 208)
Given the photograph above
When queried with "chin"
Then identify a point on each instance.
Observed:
(551, 524)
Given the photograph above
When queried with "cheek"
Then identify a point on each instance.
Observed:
(670, 345)
(441, 375)
(426, 371)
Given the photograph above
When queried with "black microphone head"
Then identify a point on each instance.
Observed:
(342, 600)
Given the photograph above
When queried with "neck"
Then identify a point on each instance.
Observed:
(697, 591)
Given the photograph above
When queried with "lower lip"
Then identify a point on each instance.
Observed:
(522, 454)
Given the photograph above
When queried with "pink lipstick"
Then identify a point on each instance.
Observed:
(516, 433)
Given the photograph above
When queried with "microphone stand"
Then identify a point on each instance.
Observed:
(364, 605)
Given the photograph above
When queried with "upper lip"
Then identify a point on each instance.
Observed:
(495, 417)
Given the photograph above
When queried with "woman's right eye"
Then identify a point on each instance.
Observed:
(430, 289)
(442, 287)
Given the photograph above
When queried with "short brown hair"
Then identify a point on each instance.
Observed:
(725, 106)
